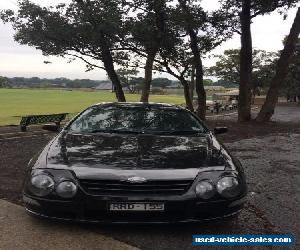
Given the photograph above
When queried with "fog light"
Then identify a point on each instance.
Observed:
(205, 190)
(41, 185)
(66, 189)
(228, 187)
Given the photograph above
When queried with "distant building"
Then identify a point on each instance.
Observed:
(227, 97)
(231, 93)
(214, 88)
(104, 86)
(107, 85)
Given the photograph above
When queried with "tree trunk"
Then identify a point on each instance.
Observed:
(192, 86)
(201, 95)
(187, 96)
(148, 77)
(110, 70)
(244, 105)
(267, 109)
(160, 22)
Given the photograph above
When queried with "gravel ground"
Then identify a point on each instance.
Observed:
(287, 113)
(271, 157)
(14, 156)
(272, 165)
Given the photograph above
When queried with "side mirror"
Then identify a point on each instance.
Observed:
(51, 127)
(220, 130)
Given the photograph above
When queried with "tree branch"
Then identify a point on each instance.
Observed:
(85, 60)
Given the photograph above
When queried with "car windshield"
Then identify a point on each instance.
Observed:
(136, 120)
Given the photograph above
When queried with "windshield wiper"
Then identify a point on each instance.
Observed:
(176, 132)
(116, 131)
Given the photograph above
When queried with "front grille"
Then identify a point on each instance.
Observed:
(113, 187)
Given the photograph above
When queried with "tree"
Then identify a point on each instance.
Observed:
(149, 33)
(161, 82)
(225, 84)
(125, 76)
(194, 33)
(177, 60)
(247, 10)
(83, 29)
(3, 82)
(246, 60)
(207, 82)
(289, 49)
(205, 32)
(197, 61)
(173, 56)
(227, 67)
(137, 83)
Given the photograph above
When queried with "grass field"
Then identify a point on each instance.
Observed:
(19, 102)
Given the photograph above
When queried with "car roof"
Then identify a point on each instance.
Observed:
(139, 104)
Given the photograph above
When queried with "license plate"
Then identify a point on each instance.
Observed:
(124, 206)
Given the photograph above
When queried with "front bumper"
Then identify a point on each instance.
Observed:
(93, 209)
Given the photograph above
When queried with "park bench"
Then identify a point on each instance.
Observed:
(41, 119)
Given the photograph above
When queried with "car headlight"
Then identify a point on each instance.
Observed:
(205, 190)
(228, 187)
(66, 189)
(41, 185)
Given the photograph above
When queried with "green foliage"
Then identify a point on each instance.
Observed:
(137, 81)
(225, 84)
(129, 79)
(208, 82)
(227, 67)
(264, 66)
(4, 82)
(258, 7)
(125, 76)
(62, 82)
(82, 29)
(91, 31)
(211, 29)
(161, 82)
(148, 26)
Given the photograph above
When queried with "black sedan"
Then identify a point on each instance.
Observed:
(135, 162)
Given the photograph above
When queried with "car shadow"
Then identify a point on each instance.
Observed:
(168, 236)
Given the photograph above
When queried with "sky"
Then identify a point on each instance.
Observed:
(20, 60)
